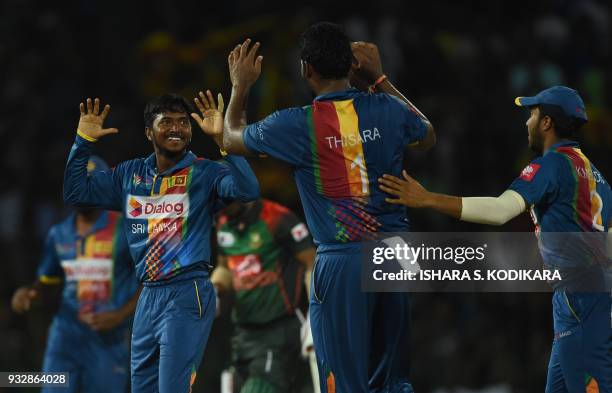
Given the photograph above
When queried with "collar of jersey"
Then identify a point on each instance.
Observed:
(187, 160)
(100, 223)
(334, 95)
(560, 144)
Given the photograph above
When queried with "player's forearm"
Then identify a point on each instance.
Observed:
(307, 278)
(445, 204)
(221, 279)
(492, 211)
(235, 122)
(242, 185)
(75, 173)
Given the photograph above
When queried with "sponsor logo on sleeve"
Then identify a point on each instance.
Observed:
(530, 171)
(299, 232)
(158, 207)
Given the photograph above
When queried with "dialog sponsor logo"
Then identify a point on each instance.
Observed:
(158, 207)
(94, 269)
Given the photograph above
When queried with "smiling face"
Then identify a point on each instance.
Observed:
(170, 133)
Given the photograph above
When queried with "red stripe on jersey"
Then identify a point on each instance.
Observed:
(582, 195)
(332, 166)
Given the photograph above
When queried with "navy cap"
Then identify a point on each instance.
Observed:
(95, 163)
(567, 99)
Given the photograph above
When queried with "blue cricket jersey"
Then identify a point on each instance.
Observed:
(167, 215)
(339, 146)
(567, 196)
(96, 269)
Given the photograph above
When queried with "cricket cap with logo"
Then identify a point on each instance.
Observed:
(568, 100)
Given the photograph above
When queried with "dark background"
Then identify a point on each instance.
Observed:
(462, 63)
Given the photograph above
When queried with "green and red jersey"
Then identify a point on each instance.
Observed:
(260, 246)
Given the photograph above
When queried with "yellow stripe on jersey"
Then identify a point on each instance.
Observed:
(354, 159)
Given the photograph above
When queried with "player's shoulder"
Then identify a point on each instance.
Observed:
(289, 114)
(385, 99)
(206, 168)
(131, 166)
(65, 225)
(551, 160)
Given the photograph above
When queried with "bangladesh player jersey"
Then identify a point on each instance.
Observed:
(566, 193)
(260, 246)
(167, 215)
(339, 146)
(96, 269)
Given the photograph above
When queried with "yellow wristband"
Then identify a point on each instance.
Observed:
(85, 136)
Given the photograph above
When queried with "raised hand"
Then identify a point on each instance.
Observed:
(22, 299)
(408, 191)
(211, 118)
(92, 121)
(367, 65)
(244, 65)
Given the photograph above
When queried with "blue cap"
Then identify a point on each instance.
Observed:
(567, 99)
(95, 163)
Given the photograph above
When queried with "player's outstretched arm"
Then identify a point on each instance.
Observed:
(101, 188)
(306, 257)
(244, 68)
(367, 69)
(480, 210)
(411, 193)
(240, 183)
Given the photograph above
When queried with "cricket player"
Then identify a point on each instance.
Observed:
(167, 201)
(265, 256)
(339, 145)
(87, 253)
(565, 193)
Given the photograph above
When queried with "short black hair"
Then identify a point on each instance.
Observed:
(165, 103)
(327, 48)
(565, 126)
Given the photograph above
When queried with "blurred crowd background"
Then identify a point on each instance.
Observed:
(461, 62)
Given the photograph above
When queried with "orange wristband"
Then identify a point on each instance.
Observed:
(378, 81)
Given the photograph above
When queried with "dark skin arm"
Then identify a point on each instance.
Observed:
(222, 277)
(245, 68)
(411, 193)
(27, 296)
(367, 68)
(307, 257)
